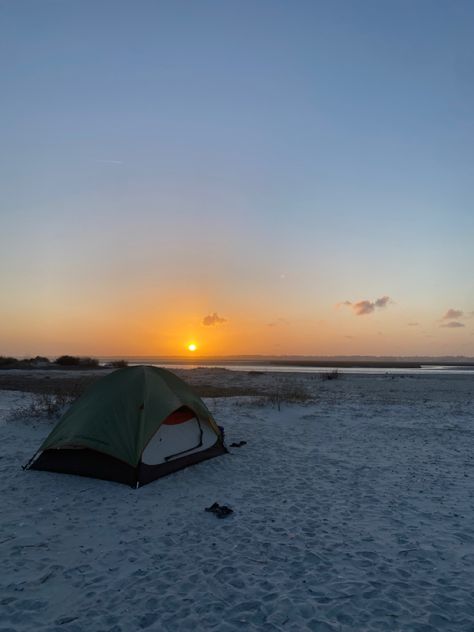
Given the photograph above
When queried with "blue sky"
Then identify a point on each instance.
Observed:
(265, 159)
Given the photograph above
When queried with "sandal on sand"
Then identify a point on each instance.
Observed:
(221, 511)
(224, 511)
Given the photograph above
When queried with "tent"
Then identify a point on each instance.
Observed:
(132, 426)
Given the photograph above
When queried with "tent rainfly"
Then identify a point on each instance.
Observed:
(132, 426)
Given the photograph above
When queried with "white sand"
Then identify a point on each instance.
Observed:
(354, 512)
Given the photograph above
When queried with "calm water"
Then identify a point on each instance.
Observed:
(458, 370)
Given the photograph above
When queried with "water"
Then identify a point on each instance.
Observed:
(423, 370)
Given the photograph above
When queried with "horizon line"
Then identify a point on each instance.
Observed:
(249, 357)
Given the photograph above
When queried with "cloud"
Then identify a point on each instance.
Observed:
(413, 324)
(213, 319)
(110, 162)
(453, 313)
(361, 308)
(383, 301)
(454, 324)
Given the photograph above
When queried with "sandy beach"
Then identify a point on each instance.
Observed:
(353, 510)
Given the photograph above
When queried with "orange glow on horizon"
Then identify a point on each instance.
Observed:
(145, 329)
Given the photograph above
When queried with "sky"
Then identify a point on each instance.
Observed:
(251, 177)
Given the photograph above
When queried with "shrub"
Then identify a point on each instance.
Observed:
(40, 359)
(7, 360)
(67, 360)
(50, 404)
(35, 360)
(119, 364)
(287, 392)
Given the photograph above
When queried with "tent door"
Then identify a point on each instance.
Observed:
(173, 456)
(178, 436)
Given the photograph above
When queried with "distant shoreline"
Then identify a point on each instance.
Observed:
(367, 364)
(307, 363)
(329, 363)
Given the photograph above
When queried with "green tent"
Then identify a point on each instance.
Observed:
(132, 426)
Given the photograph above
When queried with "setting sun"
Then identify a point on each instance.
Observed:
(192, 347)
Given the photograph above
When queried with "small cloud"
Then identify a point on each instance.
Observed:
(213, 319)
(349, 337)
(453, 313)
(383, 301)
(361, 308)
(454, 324)
(413, 324)
(110, 162)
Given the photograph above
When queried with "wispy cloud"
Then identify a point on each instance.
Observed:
(361, 308)
(383, 301)
(453, 313)
(110, 162)
(213, 319)
(364, 307)
(454, 324)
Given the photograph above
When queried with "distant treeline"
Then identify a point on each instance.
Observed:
(7, 362)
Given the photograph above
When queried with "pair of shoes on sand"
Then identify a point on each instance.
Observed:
(238, 445)
(221, 511)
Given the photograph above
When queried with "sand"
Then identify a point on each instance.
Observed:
(353, 511)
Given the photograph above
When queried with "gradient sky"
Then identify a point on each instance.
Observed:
(259, 163)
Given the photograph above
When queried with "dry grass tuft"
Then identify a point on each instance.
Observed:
(50, 404)
(287, 392)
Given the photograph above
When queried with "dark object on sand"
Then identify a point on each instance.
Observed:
(330, 375)
(221, 511)
(132, 426)
(238, 445)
